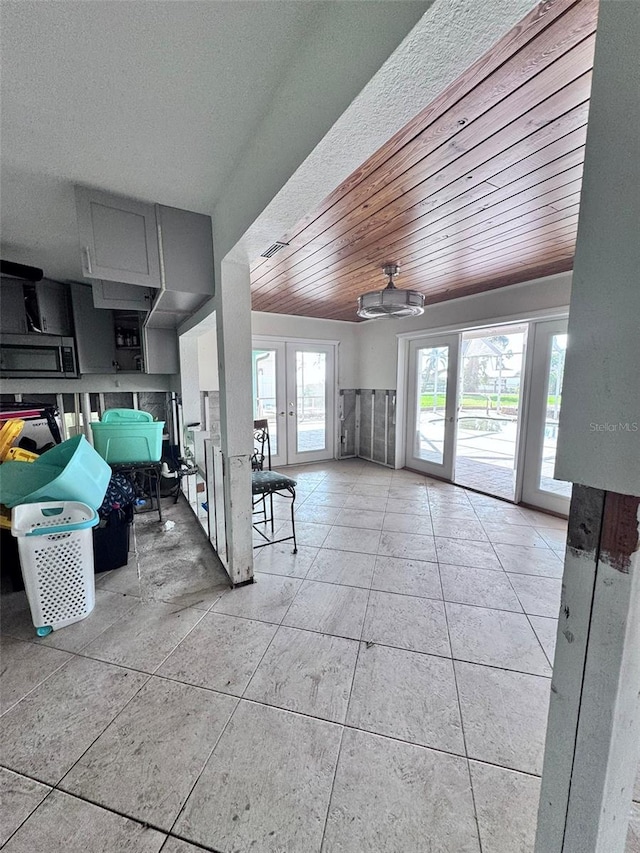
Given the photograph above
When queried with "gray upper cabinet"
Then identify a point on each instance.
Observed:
(186, 246)
(187, 250)
(40, 307)
(51, 297)
(115, 294)
(167, 253)
(13, 316)
(95, 340)
(118, 238)
(160, 351)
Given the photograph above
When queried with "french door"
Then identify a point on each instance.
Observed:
(294, 389)
(539, 486)
(432, 400)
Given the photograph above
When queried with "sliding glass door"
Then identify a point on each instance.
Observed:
(475, 420)
(489, 406)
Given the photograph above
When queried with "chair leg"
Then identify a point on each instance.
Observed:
(271, 508)
(293, 522)
(157, 477)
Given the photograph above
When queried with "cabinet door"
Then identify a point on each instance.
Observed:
(13, 317)
(118, 238)
(52, 307)
(95, 339)
(115, 294)
(187, 250)
(160, 351)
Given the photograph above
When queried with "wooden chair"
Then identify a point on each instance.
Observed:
(266, 483)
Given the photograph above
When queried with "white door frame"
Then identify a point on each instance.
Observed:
(402, 370)
(535, 377)
(445, 470)
(283, 346)
(541, 335)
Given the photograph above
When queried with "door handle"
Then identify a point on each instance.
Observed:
(87, 254)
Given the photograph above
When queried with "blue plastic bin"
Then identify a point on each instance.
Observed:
(71, 471)
(128, 435)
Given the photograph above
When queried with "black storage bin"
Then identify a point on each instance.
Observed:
(111, 542)
(10, 562)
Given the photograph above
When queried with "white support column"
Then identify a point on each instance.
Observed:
(593, 734)
(85, 404)
(233, 322)
(608, 736)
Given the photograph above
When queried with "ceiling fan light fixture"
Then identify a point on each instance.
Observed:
(391, 301)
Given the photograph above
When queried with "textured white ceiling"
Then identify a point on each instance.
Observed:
(449, 37)
(156, 100)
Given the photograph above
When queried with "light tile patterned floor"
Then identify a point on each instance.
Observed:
(383, 690)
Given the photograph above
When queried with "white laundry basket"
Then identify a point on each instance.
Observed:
(55, 543)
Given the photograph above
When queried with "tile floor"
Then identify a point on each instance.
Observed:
(383, 690)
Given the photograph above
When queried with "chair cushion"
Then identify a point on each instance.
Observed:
(263, 482)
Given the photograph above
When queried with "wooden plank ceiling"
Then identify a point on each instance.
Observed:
(480, 190)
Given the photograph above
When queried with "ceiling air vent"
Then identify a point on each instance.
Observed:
(270, 252)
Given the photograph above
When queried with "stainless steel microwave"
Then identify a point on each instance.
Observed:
(38, 357)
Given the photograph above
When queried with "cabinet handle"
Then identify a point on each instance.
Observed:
(87, 254)
(44, 324)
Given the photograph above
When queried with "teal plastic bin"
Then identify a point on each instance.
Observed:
(71, 471)
(128, 435)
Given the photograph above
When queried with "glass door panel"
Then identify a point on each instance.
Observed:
(432, 396)
(540, 487)
(269, 395)
(311, 409)
(489, 405)
(294, 389)
(310, 396)
(547, 482)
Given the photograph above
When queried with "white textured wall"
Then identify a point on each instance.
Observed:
(208, 360)
(378, 342)
(189, 379)
(344, 49)
(599, 439)
(309, 328)
(314, 136)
